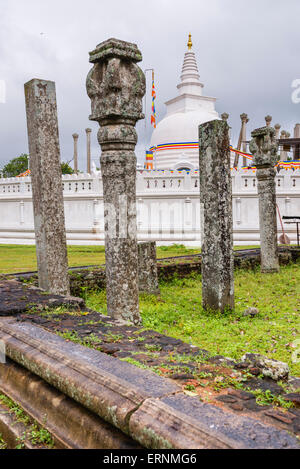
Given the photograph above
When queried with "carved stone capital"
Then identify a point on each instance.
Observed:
(116, 86)
(264, 147)
(244, 118)
(225, 116)
(268, 120)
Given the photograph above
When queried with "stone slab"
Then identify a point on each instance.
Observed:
(71, 425)
(108, 387)
(180, 421)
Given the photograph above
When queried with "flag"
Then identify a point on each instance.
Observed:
(153, 115)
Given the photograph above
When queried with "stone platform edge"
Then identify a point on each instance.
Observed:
(149, 409)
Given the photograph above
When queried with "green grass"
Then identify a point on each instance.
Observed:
(36, 434)
(273, 332)
(22, 258)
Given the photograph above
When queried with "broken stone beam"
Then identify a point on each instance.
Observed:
(216, 197)
(47, 194)
(148, 279)
(264, 148)
(116, 86)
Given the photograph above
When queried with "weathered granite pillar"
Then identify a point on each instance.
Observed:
(116, 86)
(88, 150)
(264, 148)
(148, 279)
(216, 196)
(75, 137)
(48, 206)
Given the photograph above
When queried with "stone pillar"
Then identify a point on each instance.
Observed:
(75, 137)
(216, 196)
(224, 116)
(148, 279)
(88, 150)
(116, 86)
(242, 139)
(277, 128)
(268, 120)
(283, 153)
(264, 148)
(297, 147)
(47, 194)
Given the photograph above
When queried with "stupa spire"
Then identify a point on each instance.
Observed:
(190, 78)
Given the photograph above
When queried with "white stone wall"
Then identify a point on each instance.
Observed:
(167, 203)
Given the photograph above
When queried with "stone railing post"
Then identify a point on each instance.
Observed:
(264, 148)
(47, 193)
(216, 196)
(75, 137)
(116, 86)
(88, 150)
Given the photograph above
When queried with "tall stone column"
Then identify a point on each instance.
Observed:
(75, 137)
(264, 148)
(283, 153)
(116, 86)
(88, 150)
(242, 138)
(297, 147)
(48, 206)
(216, 196)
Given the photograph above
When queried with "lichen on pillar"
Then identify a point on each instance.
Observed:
(264, 148)
(216, 197)
(47, 191)
(116, 86)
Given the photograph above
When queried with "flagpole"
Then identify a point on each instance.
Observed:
(145, 71)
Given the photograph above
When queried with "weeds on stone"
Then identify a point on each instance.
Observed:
(267, 398)
(35, 433)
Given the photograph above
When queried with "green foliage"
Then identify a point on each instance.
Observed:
(2, 443)
(35, 433)
(20, 164)
(267, 398)
(66, 168)
(16, 166)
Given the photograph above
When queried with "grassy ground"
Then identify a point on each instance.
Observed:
(20, 258)
(274, 332)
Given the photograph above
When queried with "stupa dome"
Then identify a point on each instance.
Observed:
(175, 139)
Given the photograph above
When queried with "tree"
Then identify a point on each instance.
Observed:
(20, 164)
(66, 168)
(16, 166)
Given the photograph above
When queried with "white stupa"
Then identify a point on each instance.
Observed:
(175, 139)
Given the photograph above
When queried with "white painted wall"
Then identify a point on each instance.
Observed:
(168, 207)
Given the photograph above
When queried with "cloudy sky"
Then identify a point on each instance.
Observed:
(247, 51)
